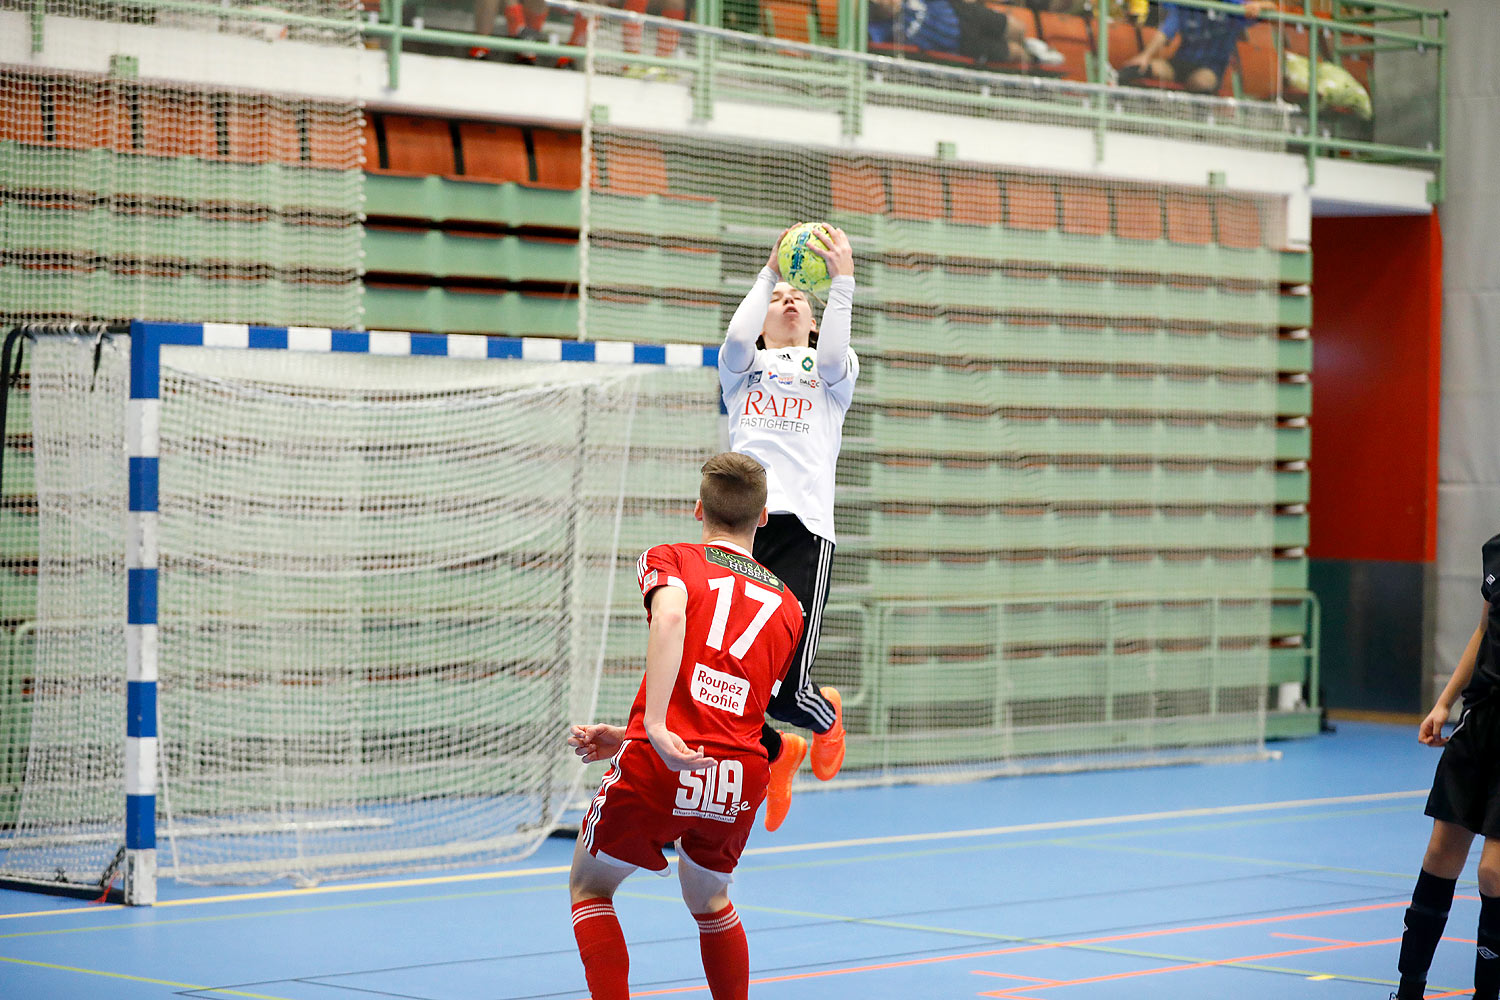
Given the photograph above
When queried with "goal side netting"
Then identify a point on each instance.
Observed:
(384, 588)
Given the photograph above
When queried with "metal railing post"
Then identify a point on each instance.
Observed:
(393, 45)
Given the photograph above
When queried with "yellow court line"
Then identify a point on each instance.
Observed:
(298, 911)
(305, 891)
(141, 979)
(826, 845)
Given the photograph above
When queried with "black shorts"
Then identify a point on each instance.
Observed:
(1466, 787)
(801, 560)
(1183, 68)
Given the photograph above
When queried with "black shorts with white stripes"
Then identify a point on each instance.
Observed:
(1466, 787)
(802, 561)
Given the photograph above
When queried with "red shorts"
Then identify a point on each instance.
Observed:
(642, 806)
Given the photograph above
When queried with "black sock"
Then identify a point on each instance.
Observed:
(1425, 920)
(771, 740)
(1487, 954)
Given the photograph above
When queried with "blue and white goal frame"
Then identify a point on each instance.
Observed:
(142, 435)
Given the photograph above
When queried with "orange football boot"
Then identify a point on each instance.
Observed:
(828, 748)
(783, 770)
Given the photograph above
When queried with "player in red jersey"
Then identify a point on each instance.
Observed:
(689, 769)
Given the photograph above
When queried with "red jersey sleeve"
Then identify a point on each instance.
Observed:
(657, 567)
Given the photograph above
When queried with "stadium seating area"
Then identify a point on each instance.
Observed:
(1086, 327)
(1254, 72)
(242, 203)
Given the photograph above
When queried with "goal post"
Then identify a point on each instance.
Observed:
(367, 578)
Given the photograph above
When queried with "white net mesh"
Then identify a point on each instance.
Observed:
(67, 826)
(384, 593)
(164, 165)
(1056, 500)
(160, 162)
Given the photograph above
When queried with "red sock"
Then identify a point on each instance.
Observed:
(601, 945)
(517, 17)
(726, 956)
(515, 20)
(666, 38)
(579, 36)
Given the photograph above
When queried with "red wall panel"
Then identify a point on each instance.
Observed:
(1377, 337)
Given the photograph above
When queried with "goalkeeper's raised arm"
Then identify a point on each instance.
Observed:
(788, 379)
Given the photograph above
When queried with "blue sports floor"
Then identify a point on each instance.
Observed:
(1283, 879)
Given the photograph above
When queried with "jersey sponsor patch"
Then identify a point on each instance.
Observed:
(743, 566)
(649, 580)
(717, 689)
(717, 793)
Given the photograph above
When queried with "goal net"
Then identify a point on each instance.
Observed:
(384, 588)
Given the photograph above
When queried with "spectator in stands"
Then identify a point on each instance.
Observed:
(527, 19)
(1208, 38)
(523, 19)
(991, 37)
(960, 27)
(927, 25)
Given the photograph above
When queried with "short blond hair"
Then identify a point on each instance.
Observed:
(733, 491)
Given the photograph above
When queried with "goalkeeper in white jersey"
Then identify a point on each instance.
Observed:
(787, 381)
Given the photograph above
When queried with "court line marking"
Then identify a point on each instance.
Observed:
(826, 845)
(1012, 975)
(1087, 945)
(1099, 844)
(1033, 945)
(298, 911)
(140, 979)
(320, 890)
(1241, 962)
(1078, 824)
(1309, 937)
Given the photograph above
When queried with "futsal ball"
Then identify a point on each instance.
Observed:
(801, 267)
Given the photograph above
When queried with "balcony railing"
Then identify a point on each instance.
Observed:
(1378, 67)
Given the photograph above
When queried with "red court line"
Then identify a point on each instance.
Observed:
(1046, 946)
(1012, 975)
(1115, 977)
(1308, 937)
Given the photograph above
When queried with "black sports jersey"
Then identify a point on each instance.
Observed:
(1486, 677)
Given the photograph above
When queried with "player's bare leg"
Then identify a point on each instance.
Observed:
(601, 943)
(721, 937)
